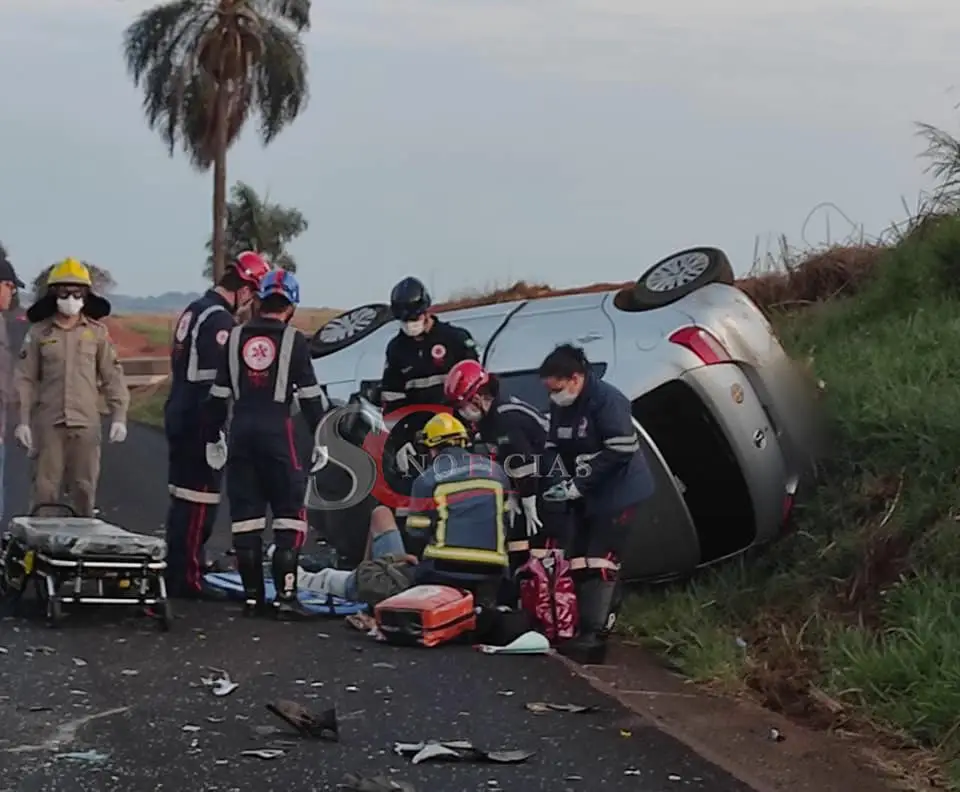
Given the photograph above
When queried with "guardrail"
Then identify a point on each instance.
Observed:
(144, 371)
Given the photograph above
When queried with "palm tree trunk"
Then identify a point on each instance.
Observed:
(220, 185)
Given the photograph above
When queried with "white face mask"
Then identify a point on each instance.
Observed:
(471, 412)
(70, 306)
(563, 398)
(415, 328)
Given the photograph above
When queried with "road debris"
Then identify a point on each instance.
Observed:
(632, 771)
(4, 650)
(189, 727)
(540, 707)
(79, 662)
(324, 727)
(457, 751)
(94, 757)
(130, 672)
(532, 643)
(384, 665)
(355, 783)
(220, 685)
(264, 753)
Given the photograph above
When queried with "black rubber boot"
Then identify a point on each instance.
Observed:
(250, 567)
(598, 602)
(286, 605)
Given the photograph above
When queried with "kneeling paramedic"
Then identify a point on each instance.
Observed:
(267, 362)
(592, 430)
(518, 433)
(198, 347)
(66, 361)
(459, 502)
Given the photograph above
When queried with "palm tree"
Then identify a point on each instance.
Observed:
(205, 65)
(253, 223)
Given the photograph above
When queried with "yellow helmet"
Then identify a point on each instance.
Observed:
(443, 429)
(69, 271)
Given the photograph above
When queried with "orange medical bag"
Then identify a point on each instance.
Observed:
(426, 616)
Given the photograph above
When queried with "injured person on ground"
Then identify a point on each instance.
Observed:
(458, 505)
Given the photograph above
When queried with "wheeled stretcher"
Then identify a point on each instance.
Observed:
(82, 561)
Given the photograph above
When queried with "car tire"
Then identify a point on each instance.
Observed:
(349, 327)
(678, 275)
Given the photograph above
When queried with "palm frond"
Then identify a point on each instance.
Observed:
(294, 12)
(280, 78)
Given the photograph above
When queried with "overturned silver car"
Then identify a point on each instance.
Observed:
(727, 418)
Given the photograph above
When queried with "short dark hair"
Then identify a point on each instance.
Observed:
(492, 388)
(231, 280)
(563, 362)
(274, 304)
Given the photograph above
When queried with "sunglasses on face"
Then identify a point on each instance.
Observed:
(68, 291)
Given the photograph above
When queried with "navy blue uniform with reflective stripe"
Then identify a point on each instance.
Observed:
(600, 448)
(267, 364)
(199, 344)
(459, 502)
(519, 432)
(416, 368)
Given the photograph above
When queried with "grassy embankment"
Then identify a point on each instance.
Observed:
(854, 620)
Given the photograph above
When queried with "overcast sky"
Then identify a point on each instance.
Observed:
(476, 142)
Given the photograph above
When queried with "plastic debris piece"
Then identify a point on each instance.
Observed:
(529, 643)
(384, 665)
(352, 688)
(212, 719)
(626, 733)
(355, 783)
(79, 662)
(631, 772)
(436, 752)
(264, 753)
(776, 735)
(220, 685)
(507, 757)
(324, 727)
(540, 707)
(4, 650)
(673, 777)
(504, 692)
(94, 757)
(189, 727)
(266, 731)
(131, 672)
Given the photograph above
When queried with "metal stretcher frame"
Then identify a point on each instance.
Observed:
(60, 580)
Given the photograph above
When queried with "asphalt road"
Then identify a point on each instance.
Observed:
(115, 686)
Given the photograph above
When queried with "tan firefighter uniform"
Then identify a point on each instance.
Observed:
(58, 380)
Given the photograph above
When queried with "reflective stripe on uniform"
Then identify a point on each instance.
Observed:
(219, 392)
(193, 496)
(520, 471)
(391, 396)
(312, 392)
(422, 383)
(518, 547)
(626, 444)
(289, 524)
(284, 360)
(526, 409)
(593, 563)
(249, 526)
(233, 361)
(194, 372)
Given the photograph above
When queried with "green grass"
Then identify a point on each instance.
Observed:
(863, 601)
(146, 404)
(156, 333)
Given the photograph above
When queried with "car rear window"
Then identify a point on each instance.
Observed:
(523, 385)
(526, 385)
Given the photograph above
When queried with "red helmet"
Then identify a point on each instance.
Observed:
(463, 382)
(251, 267)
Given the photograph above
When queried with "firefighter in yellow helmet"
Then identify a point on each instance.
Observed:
(67, 360)
(457, 505)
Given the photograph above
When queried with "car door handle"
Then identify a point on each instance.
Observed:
(593, 335)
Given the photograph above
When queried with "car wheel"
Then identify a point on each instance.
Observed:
(679, 275)
(348, 328)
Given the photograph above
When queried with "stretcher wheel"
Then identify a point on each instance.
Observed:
(164, 615)
(54, 612)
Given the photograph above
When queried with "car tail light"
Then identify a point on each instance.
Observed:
(702, 343)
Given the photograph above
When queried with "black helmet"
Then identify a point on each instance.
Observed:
(409, 299)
